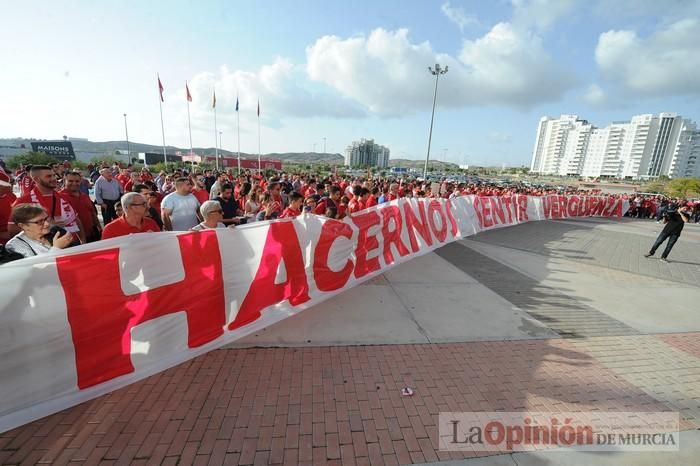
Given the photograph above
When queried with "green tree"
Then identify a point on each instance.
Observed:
(683, 187)
(30, 158)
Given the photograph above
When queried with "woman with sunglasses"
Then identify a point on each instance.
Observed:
(34, 239)
(212, 213)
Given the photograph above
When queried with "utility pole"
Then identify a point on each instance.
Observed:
(436, 72)
(128, 146)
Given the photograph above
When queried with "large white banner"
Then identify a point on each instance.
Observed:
(94, 318)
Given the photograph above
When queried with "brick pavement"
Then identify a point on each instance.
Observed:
(342, 405)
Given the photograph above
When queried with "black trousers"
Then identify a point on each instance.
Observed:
(109, 213)
(672, 238)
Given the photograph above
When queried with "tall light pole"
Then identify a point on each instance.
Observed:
(221, 145)
(128, 146)
(435, 72)
(324, 145)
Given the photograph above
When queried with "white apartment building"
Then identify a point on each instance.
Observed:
(367, 154)
(645, 147)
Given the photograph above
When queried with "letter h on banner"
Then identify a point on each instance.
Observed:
(101, 317)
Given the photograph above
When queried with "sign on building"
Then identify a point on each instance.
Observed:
(62, 150)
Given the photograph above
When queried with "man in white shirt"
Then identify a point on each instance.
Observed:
(180, 209)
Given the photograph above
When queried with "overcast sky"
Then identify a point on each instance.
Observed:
(344, 70)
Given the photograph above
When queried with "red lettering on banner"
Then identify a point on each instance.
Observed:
(451, 217)
(477, 209)
(413, 225)
(485, 205)
(497, 210)
(573, 207)
(555, 206)
(586, 206)
(392, 213)
(617, 210)
(435, 207)
(366, 243)
(282, 244)
(102, 317)
(508, 201)
(325, 278)
(610, 208)
(547, 206)
(563, 205)
(600, 207)
(592, 206)
(522, 208)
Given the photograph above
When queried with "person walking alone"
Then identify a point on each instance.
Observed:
(674, 221)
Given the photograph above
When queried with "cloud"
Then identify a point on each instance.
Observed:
(458, 16)
(616, 9)
(278, 87)
(664, 64)
(540, 14)
(595, 96)
(387, 73)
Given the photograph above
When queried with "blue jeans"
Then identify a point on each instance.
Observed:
(672, 238)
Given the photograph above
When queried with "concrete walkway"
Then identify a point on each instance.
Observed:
(548, 316)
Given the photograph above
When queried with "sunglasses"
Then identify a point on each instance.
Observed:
(39, 222)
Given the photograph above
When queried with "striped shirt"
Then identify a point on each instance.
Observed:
(109, 190)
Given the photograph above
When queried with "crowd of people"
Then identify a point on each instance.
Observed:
(55, 209)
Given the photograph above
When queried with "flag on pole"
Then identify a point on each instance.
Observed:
(189, 96)
(258, 108)
(161, 89)
(213, 103)
(236, 103)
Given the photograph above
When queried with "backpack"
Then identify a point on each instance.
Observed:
(8, 256)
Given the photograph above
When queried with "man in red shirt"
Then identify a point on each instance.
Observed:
(275, 188)
(372, 198)
(393, 192)
(57, 204)
(295, 202)
(6, 201)
(123, 177)
(83, 205)
(26, 184)
(354, 205)
(134, 219)
(331, 202)
(199, 190)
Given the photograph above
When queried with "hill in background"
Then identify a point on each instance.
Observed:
(87, 150)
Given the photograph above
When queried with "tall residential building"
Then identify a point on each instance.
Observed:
(366, 153)
(645, 147)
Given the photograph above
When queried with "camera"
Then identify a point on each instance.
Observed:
(242, 220)
(52, 232)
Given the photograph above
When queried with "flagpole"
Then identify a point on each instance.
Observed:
(162, 126)
(216, 134)
(189, 126)
(238, 128)
(259, 163)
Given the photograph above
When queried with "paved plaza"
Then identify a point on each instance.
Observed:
(555, 316)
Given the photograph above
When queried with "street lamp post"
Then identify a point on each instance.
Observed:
(128, 146)
(435, 72)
